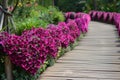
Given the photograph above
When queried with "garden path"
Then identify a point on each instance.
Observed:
(97, 57)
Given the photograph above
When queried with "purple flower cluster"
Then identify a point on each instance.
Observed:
(117, 22)
(82, 20)
(33, 47)
(111, 17)
(74, 29)
(102, 16)
(60, 33)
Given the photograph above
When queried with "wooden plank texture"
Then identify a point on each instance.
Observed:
(97, 57)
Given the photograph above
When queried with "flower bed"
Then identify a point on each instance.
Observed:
(33, 48)
(108, 17)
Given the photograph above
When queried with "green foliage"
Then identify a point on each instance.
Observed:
(20, 74)
(88, 5)
(111, 6)
(25, 11)
(58, 17)
(37, 17)
(2, 68)
(71, 5)
(52, 15)
(46, 3)
(61, 52)
(28, 24)
(51, 61)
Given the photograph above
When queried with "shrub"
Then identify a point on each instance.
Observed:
(37, 48)
(28, 24)
(52, 15)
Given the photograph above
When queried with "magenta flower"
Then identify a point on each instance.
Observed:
(74, 30)
(33, 47)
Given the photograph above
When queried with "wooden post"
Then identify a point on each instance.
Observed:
(8, 68)
(5, 23)
(8, 64)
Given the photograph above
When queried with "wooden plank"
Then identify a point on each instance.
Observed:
(97, 57)
(68, 78)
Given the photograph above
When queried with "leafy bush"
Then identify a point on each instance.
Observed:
(28, 24)
(38, 17)
(70, 5)
(52, 15)
(37, 48)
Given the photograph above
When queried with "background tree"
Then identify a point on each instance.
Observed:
(70, 5)
(87, 5)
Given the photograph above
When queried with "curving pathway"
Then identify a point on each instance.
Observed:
(96, 58)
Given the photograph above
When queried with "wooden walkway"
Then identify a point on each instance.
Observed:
(96, 58)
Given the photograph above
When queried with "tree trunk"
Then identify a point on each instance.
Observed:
(95, 4)
(56, 2)
(42, 2)
(8, 68)
(53, 2)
